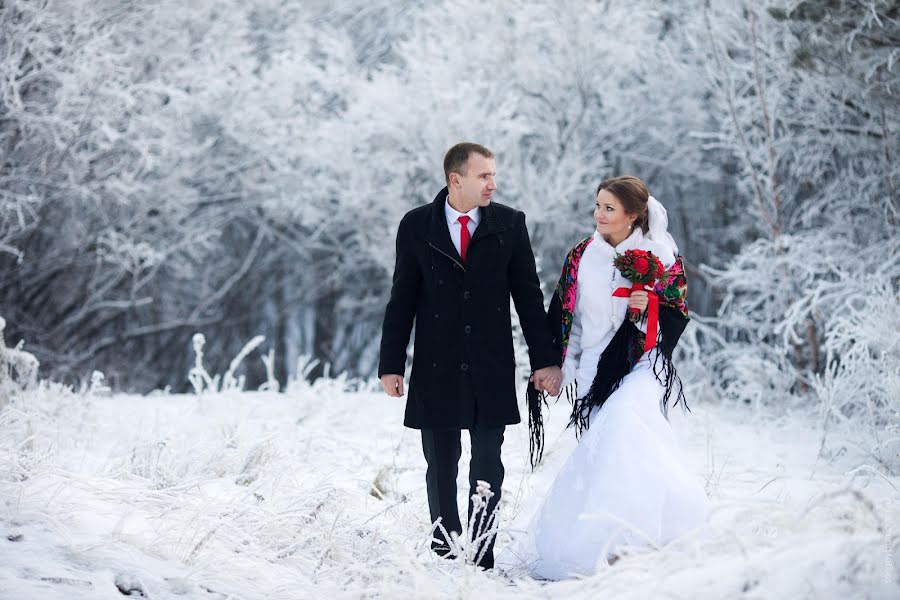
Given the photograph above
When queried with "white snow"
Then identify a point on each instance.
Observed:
(267, 495)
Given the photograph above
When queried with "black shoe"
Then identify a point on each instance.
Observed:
(443, 551)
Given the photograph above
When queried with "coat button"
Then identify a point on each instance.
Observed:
(436, 315)
(433, 365)
(464, 367)
(440, 282)
(498, 309)
(467, 294)
(467, 329)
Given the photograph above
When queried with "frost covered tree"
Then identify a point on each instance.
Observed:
(150, 156)
(807, 100)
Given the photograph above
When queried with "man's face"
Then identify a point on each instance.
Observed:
(477, 185)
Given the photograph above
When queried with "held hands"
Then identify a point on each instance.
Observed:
(393, 385)
(548, 380)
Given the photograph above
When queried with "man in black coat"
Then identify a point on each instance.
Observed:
(459, 260)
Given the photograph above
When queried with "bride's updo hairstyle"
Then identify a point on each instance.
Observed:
(632, 193)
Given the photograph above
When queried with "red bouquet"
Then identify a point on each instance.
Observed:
(642, 268)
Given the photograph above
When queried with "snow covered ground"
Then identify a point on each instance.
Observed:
(319, 493)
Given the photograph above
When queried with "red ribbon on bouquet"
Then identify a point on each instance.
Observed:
(652, 311)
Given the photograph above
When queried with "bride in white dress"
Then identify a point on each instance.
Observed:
(626, 482)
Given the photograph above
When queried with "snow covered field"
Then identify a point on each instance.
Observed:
(319, 493)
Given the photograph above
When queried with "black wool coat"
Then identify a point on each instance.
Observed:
(463, 364)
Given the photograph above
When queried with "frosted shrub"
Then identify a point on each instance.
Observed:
(480, 529)
(819, 327)
(229, 382)
(198, 375)
(202, 381)
(271, 383)
(860, 383)
(18, 369)
(300, 381)
(98, 385)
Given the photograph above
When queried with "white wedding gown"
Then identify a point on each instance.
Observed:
(626, 482)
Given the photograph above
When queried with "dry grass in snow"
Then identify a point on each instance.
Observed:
(319, 493)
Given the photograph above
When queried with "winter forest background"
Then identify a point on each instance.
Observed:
(239, 169)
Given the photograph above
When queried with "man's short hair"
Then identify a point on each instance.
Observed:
(456, 158)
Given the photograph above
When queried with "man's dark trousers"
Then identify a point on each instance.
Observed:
(442, 449)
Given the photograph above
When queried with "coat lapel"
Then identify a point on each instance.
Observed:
(490, 224)
(438, 233)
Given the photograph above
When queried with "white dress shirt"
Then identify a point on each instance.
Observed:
(456, 227)
(598, 314)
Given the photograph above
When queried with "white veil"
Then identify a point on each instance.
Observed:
(658, 225)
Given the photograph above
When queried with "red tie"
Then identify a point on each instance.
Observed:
(464, 236)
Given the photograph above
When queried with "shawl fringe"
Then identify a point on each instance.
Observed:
(618, 359)
(536, 401)
(535, 423)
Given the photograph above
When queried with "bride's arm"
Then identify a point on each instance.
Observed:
(573, 351)
(642, 326)
(668, 259)
(678, 283)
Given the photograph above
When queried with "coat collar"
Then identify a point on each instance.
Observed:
(439, 234)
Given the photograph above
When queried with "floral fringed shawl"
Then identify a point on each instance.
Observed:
(622, 353)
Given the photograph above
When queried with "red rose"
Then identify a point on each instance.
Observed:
(642, 265)
(659, 266)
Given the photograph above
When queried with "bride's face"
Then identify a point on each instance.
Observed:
(610, 216)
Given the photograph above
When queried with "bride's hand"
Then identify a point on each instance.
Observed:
(548, 380)
(638, 300)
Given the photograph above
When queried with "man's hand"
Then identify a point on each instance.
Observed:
(548, 380)
(393, 385)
